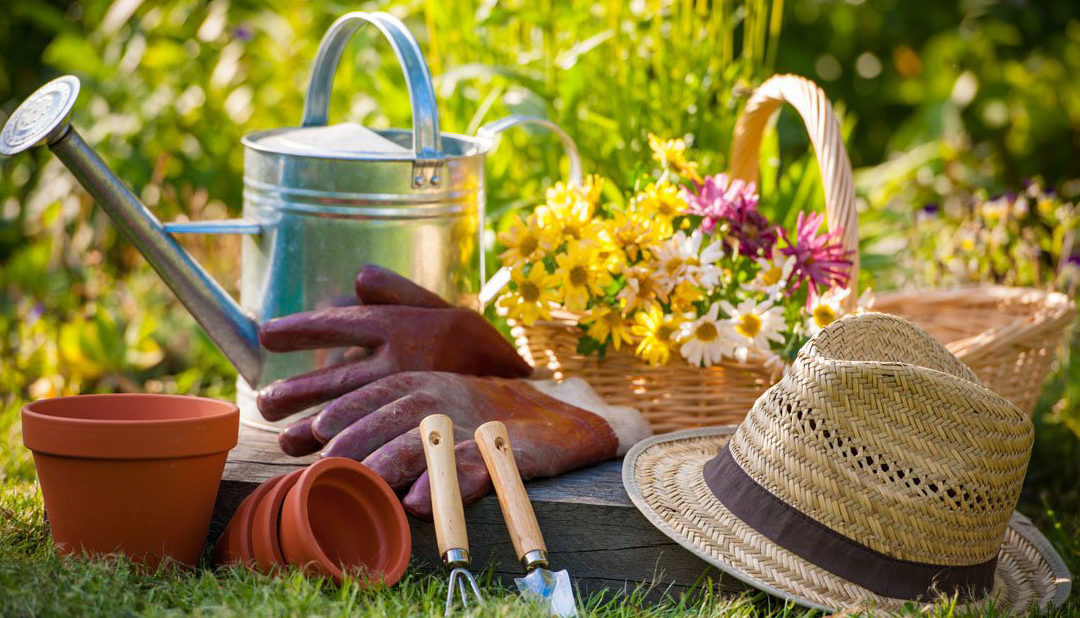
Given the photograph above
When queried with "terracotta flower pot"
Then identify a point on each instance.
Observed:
(136, 474)
(235, 543)
(265, 526)
(342, 518)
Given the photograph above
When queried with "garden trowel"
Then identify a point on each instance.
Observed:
(552, 591)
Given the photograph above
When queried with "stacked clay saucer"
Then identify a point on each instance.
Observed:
(335, 518)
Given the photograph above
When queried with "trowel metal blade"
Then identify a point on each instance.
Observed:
(552, 591)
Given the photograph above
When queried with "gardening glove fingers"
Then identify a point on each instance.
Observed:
(376, 285)
(373, 431)
(298, 440)
(401, 461)
(473, 480)
(286, 397)
(351, 407)
(336, 327)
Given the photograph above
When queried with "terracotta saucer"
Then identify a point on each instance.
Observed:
(265, 542)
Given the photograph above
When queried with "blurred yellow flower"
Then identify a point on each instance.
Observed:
(684, 296)
(565, 215)
(634, 232)
(657, 333)
(524, 242)
(534, 295)
(582, 275)
(591, 191)
(671, 155)
(661, 205)
(604, 321)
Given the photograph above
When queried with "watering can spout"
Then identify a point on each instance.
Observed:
(43, 119)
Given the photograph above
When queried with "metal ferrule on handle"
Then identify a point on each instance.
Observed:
(234, 332)
(456, 557)
(535, 559)
(427, 141)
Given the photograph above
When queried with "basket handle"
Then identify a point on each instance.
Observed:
(824, 130)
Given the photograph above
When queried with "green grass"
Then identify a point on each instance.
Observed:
(35, 582)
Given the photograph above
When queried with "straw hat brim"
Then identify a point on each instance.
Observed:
(663, 476)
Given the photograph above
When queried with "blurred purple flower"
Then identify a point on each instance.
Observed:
(819, 258)
(931, 209)
(242, 32)
(35, 312)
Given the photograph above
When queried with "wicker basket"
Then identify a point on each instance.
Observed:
(1007, 336)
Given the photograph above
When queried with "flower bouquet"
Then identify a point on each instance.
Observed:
(684, 278)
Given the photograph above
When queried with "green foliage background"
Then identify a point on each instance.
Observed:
(944, 102)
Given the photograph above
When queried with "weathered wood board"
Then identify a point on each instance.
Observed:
(591, 528)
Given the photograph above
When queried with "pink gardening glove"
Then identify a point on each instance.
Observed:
(405, 327)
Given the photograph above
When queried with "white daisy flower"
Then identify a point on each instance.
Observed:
(680, 259)
(826, 309)
(754, 325)
(775, 272)
(706, 272)
(643, 289)
(669, 262)
(705, 341)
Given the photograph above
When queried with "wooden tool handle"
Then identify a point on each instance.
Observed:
(437, 433)
(516, 508)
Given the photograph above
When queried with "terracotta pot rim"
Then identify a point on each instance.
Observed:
(227, 408)
(214, 430)
(301, 493)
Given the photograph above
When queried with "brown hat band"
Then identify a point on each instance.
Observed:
(813, 541)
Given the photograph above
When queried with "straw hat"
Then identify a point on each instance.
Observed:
(875, 473)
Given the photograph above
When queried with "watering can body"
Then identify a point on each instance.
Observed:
(320, 201)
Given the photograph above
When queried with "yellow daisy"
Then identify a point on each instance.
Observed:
(565, 215)
(660, 205)
(582, 275)
(684, 296)
(604, 321)
(591, 191)
(534, 295)
(524, 242)
(657, 333)
(632, 231)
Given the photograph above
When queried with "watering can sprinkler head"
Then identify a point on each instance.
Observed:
(43, 119)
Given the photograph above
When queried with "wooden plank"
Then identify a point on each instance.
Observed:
(591, 527)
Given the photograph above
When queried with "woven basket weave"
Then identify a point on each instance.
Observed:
(1007, 336)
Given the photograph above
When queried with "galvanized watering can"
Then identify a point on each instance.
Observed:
(320, 201)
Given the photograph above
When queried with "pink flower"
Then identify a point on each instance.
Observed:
(735, 201)
(819, 258)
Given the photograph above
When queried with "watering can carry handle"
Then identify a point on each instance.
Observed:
(427, 142)
(489, 133)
